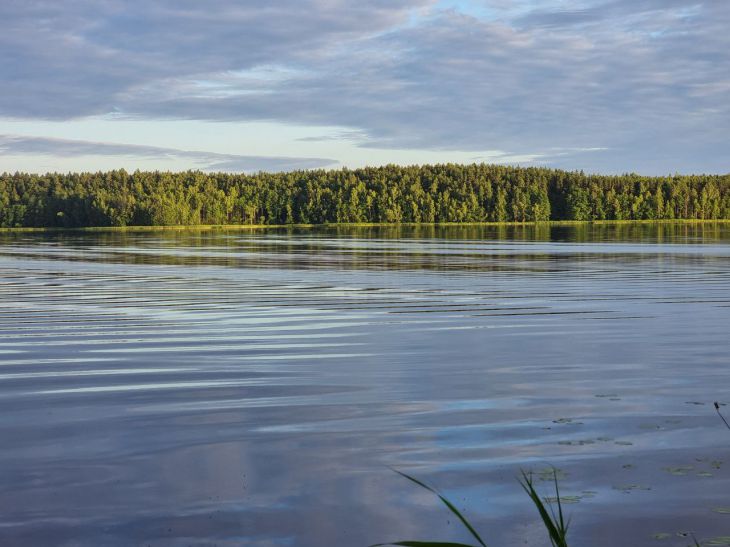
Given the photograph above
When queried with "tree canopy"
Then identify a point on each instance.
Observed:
(390, 194)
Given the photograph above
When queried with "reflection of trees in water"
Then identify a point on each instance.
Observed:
(462, 248)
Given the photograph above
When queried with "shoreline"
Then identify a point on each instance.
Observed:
(244, 227)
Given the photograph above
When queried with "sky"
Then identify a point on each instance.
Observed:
(608, 86)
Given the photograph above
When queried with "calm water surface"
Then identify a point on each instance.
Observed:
(252, 387)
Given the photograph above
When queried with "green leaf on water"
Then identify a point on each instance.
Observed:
(678, 471)
(705, 474)
(563, 499)
(631, 487)
(581, 442)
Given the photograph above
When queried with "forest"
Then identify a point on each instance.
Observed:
(389, 194)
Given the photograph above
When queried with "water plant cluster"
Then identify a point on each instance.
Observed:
(550, 510)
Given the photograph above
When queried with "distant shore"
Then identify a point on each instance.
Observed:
(244, 227)
(427, 194)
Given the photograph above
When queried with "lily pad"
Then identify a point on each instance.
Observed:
(631, 487)
(567, 421)
(550, 474)
(678, 471)
(563, 499)
(579, 442)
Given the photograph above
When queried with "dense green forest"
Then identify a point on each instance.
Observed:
(391, 194)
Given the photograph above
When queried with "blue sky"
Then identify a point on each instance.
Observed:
(600, 85)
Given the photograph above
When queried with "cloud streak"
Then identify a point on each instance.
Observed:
(14, 145)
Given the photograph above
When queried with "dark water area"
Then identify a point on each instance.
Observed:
(254, 387)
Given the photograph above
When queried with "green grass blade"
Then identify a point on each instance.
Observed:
(557, 529)
(448, 504)
(527, 486)
(717, 408)
(422, 544)
(563, 527)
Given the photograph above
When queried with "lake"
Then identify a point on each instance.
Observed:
(256, 387)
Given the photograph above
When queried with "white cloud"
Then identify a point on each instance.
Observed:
(644, 81)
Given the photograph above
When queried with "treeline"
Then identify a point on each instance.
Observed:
(391, 194)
